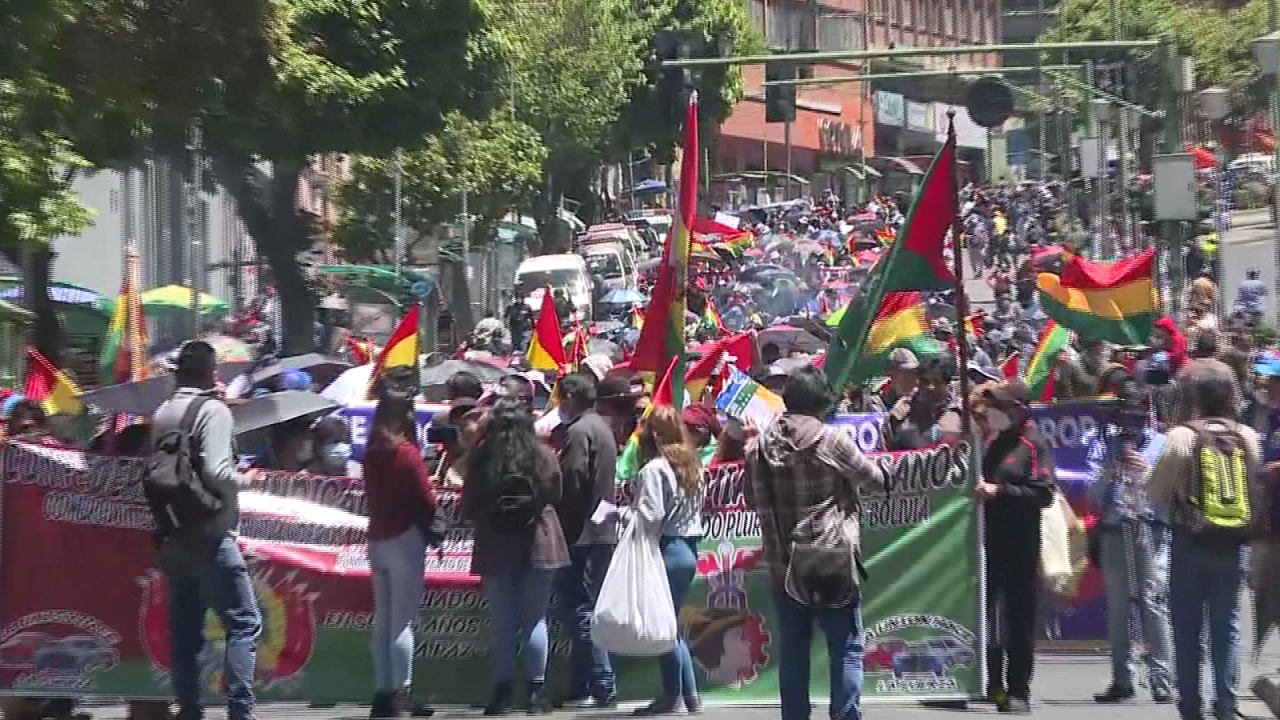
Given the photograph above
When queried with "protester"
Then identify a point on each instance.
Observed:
(1017, 483)
(509, 496)
(797, 464)
(904, 377)
(669, 507)
(402, 511)
(704, 430)
(1207, 476)
(588, 464)
(330, 447)
(1202, 366)
(927, 416)
(1134, 544)
(197, 550)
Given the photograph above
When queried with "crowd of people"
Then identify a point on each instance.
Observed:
(1185, 468)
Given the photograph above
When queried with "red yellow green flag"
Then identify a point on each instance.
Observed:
(915, 261)
(546, 349)
(123, 355)
(1038, 376)
(1103, 301)
(661, 339)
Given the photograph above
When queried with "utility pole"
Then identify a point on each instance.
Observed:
(195, 228)
(397, 231)
(1042, 145)
(1122, 136)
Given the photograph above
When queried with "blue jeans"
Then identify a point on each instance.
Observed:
(517, 605)
(591, 675)
(1203, 577)
(843, 630)
(680, 556)
(397, 565)
(1135, 566)
(203, 576)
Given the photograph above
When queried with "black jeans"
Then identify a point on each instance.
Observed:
(1013, 577)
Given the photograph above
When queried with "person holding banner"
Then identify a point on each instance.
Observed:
(402, 503)
(1017, 483)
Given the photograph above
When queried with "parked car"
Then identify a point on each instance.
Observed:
(955, 652)
(919, 659)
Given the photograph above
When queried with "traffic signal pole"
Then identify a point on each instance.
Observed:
(835, 55)
(976, 72)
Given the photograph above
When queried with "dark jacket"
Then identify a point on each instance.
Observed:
(1020, 461)
(588, 466)
(212, 439)
(498, 551)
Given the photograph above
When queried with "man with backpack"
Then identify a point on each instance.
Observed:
(192, 487)
(1207, 478)
(804, 480)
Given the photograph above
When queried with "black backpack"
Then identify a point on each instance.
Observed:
(518, 502)
(174, 475)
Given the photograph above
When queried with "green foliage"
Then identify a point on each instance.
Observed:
(499, 160)
(722, 25)
(1218, 41)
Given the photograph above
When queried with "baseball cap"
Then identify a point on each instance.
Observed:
(1009, 394)
(1268, 366)
(903, 359)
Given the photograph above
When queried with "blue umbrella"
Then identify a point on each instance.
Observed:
(624, 296)
(59, 294)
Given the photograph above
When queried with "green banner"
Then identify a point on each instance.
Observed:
(99, 626)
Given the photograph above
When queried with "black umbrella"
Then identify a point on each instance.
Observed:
(275, 408)
(323, 369)
(440, 374)
(791, 339)
(132, 398)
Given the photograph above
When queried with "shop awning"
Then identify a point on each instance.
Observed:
(901, 164)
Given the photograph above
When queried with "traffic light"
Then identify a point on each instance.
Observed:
(779, 100)
(673, 83)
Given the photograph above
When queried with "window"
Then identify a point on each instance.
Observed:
(840, 31)
(790, 25)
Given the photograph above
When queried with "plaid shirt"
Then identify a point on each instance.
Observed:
(797, 464)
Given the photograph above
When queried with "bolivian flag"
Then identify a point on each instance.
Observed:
(546, 349)
(901, 322)
(401, 349)
(712, 320)
(1103, 301)
(1038, 377)
(49, 386)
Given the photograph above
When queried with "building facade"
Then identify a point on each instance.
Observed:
(853, 137)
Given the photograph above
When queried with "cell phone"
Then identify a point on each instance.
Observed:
(442, 434)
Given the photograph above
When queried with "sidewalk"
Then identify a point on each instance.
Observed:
(1064, 686)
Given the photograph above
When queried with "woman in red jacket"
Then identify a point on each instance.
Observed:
(401, 501)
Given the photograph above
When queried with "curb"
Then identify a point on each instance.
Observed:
(1267, 689)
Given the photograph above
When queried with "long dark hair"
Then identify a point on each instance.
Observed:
(393, 421)
(509, 446)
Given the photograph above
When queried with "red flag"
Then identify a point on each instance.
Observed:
(359, 350)
(40, 377)
(401, 349)
(1010, 367)
(662, 394)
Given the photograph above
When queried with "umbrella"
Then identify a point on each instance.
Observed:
(597, 346)
(440, 374)
(351, 387)
(624, 296)
(177, 297)
(791, 339)
(749, 274)
(323, 369)
(58, 294)
(132, 398)
(278, 407)
(230, 351)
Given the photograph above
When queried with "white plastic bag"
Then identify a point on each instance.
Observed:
(634, 614)
(1055, 546)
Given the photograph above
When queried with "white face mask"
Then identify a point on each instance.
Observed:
(997, 420)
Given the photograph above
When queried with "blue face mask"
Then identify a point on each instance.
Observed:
(338, 454)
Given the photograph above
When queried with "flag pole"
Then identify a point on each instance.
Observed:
(962, 299)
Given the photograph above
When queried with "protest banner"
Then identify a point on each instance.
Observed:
(85, 610)
(1080, 619)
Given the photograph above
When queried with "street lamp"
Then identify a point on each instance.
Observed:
(1214, 104)
(1266, 50)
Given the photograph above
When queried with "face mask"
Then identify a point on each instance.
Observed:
(998, 421)
(337, 454)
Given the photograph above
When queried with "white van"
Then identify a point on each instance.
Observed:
(566, 272)
(611, 261)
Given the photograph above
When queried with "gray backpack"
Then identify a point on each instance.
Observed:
(174, 475)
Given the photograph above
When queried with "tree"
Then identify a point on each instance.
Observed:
(37, 160)
(499, 160)
(651, 117)
(1218, 41)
